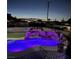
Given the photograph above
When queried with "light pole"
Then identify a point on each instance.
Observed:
(48, 5)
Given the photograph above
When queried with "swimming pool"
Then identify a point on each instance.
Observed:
(21, 45)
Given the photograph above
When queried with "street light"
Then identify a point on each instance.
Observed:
(48, 5)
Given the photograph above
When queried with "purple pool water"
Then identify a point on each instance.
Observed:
(21, 45)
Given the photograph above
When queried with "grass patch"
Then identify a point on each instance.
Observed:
(15, 35)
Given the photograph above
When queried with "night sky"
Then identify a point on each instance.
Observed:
(59, 9)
